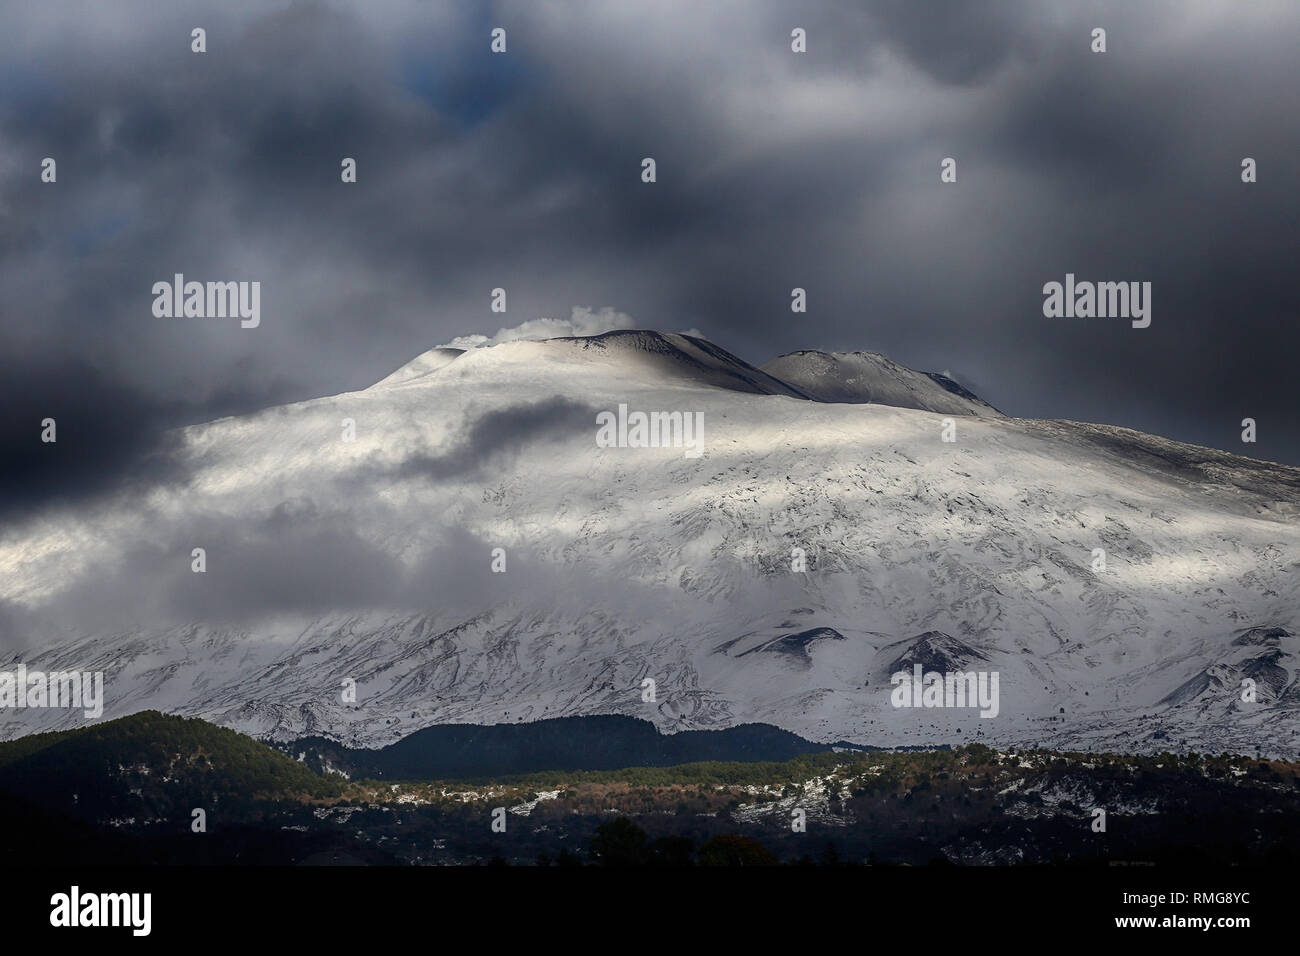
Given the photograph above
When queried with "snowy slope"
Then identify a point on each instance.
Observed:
(423, 365)
(860, 377)
(370, 561)
(669, 357)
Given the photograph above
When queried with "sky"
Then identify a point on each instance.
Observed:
(522, 170)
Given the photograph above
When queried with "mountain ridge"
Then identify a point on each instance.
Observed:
(869, 377)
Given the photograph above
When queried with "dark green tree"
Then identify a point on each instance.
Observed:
(620, 842)
(732, 849)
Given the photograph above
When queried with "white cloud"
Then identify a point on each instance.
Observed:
(582, 321)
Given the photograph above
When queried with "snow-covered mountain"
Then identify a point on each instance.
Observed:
(332, 558)
(859, 377)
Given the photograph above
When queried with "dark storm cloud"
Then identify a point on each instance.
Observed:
(111, 438)
(107, 438)
(776, 170)
(959, 43)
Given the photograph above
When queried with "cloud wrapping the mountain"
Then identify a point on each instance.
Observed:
(494, 437)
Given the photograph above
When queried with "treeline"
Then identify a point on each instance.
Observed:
(149, 763)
